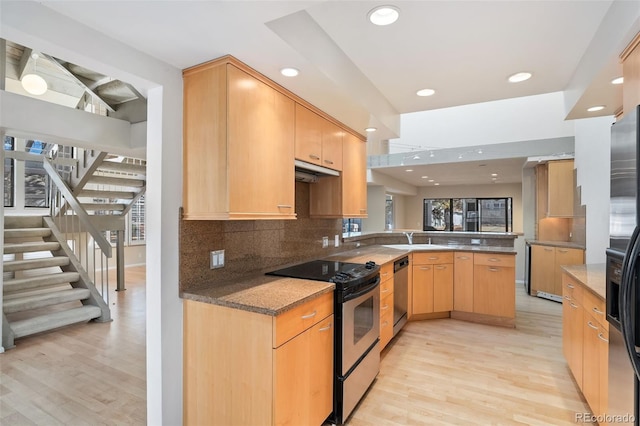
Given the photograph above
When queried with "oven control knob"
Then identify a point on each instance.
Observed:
(370, 264)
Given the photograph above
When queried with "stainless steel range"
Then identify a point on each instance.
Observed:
(357, 317)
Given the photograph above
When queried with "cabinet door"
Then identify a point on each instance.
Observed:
(303, 377)
(308, 138)
(573, 336)
(443, 288)
(591, 363)
(260, 148)
(565, 256)
(354, 177)
(542, 269)
(603, 347)
(494, 290)
(332, 136)
(386, 320)
(463, 282)
(560, 188)
(422, 294)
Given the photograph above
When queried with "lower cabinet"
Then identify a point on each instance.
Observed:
(386, 304)
(258, 369)
(494, 285)
(546, 274)
(432, 283)
(585, 342)
(463, 281)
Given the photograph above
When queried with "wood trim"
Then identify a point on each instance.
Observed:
(632, 45)
(228, 59)
(484, 319)
(236, 216)
(433, 315)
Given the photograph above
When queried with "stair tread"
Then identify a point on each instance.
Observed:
(24, 303)
(26, 232)
(44, 262)
(117, 181)
(18, 284)
(54, 320)
(30, 246)
(123, 167)
(96, 193)
(103, 206)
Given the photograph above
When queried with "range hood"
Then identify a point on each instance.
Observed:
(310, 173)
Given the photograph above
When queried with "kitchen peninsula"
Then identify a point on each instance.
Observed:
(447, 238)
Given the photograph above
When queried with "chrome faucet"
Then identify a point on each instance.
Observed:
(409, 236)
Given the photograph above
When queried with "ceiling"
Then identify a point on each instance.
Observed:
(367, 75)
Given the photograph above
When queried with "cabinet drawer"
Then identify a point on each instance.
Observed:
(432, 258)
(386, 323)
(571, 290)
(595, 307)
(490, 259)
(293, 322)
(386, 271)
(386, 305)
(386, 288)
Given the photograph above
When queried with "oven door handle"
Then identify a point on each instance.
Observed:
(365, 290)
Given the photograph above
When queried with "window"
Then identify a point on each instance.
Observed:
(136, 222)
(351, 225)
(9, 174)
(388, 213)
(468, 214)
(36, 179)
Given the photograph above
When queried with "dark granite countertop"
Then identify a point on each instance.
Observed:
(355, 236)
(564, 244)
(592, 276)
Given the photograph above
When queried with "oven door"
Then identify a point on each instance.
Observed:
(361, 324)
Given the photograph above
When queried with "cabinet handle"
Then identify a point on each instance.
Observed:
(384, 290)
(597, 311)
(601, 337)
(311, 315)
(425, 268)
(284, 206)
(314, 157)
(494, 269)
(573, 306)
(563, 250)
(434, 258)
(463, 257)
(567, 298)
(328, 161)
(441, 267)
(385, 307)
(494, 259)
(548, 249)
(326, 328)
(570, 286)
(386, 323)
(384, 274)
(591, 325)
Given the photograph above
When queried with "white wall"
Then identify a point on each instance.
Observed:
(376, 200)
(593, 164)
(38, 27)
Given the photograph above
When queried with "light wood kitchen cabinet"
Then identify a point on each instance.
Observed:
(585, 340)
(494, 285)
(546, 271)
(344, 195)
(463, 281)
(258, 369)
(432, 282)
(630, 58)
(555, 185)
(317, 140)
(238, 145)
(386, 304)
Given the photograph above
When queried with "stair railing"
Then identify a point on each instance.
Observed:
(80, 233)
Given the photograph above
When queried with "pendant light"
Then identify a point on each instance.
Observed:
(33, 83)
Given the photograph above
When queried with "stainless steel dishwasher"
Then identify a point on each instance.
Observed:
(400, 293)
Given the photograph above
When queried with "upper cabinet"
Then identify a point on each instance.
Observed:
(631, 73)
(344, 195)
(554, 189)
(318, 140)
(242, 134)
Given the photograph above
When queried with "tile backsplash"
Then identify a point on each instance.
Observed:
(254, 246)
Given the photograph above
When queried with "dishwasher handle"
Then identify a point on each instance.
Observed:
(400, 264)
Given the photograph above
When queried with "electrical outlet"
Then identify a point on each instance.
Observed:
(216, 259)
(325, 242)
(336, 242)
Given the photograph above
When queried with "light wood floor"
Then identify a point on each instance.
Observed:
(450, 372)
(85, 374)
(438, 372)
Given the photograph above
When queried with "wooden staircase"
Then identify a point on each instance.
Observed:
(45, 287)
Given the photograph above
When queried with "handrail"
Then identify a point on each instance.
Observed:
(80, 212)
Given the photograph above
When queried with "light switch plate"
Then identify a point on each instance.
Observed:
(216, 259)
(336, 242)
(325, 242)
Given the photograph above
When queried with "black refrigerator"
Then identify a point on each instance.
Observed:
(623, 264)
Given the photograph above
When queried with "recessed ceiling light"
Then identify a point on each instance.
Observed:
(370, 129)
(416, 157)
(409, 170)
(520, 76)
(596, 108)
(431, 154)
(425, 177)
(383, 15)
(436, 184)
(618, 80)
(430, 180)
(425, 92)
(289, 72)
(494, 174)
